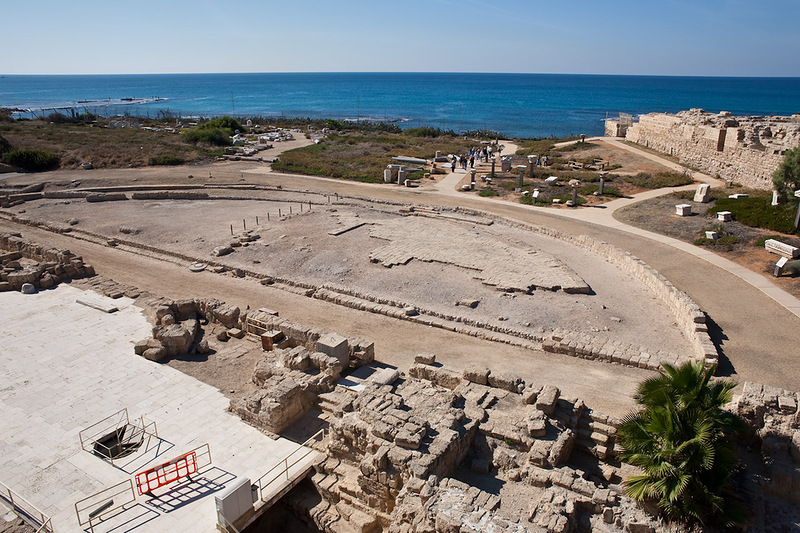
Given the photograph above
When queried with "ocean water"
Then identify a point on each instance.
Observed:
(519, 105)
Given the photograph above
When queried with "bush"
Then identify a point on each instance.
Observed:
(166, 160)
(428, 132)
(227, 123)
(31, 160)
(213, 136)
(5, 146)
(786, 177)
(757, 212)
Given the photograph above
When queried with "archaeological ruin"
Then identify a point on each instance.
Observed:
(744, 150)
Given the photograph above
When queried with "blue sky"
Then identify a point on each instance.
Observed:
(664, 37)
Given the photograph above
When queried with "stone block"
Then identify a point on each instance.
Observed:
(477, 374)
(547, 399)
(335, 346)
(385, 376)
(270, 339)
(505, 381)
(702, 195)
(724, 216)
(683, 210)
(236, 333)
(425, 358)
(530, 394)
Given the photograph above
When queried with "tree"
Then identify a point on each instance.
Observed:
(683, 442)
(786, 178)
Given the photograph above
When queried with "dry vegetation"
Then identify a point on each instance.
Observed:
(104, 147)
(363, 156)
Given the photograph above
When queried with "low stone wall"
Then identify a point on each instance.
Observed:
(50, 267)
(746, 150)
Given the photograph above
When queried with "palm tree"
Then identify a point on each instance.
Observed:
(683, 442)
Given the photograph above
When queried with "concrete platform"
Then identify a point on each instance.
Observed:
(65, 366)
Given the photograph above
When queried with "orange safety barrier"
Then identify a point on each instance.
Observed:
(163, 474)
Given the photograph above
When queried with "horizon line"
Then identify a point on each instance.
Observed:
(2, 75)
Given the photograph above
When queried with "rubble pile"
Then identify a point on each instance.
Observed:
(398, 447)
(43, 267)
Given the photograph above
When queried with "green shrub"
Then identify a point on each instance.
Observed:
(31, 160)
(227, 123)
(213, 136)
(5, 146)
(488, 191)
(661, 179)
(786, 177)
(427, 131)
(757, 212)
(166, 160)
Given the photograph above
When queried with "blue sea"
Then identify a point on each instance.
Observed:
(518, 105)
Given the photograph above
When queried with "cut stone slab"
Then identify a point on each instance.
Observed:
(96, 303)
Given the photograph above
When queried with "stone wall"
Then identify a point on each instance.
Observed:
(774, 420)
(746, 150)
(46, 267)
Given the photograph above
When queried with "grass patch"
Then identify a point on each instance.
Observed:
(166, 160)
(659, 180)
(577, 147)
(586, 190)
(362, 156)
(488, 191)
(757, 212)
(528, 147)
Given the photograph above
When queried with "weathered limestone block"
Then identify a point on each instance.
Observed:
(227, 315)
(547, 399)
(155, 354)
(327, 364)
(505, 381)
(425, 358)
(141, 346)
(477, 374)
(440, 376)
(176, 338)
(336, 346)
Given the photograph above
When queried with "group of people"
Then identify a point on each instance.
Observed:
(481, 154)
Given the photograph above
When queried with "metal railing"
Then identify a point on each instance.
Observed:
(121, 432)
(286, 465)
(92, 509)
(26, 510)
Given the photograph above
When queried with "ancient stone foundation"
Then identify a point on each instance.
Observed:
(24, 262)
(774, 419)
(746, 150)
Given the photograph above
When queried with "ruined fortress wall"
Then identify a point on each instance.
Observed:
(746, 150)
